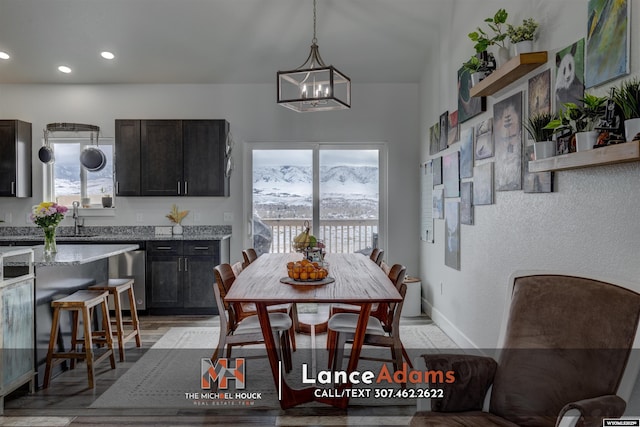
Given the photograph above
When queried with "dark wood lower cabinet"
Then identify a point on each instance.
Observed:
(180, 275)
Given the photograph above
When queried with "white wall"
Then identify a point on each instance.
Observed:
(588, 225)
(380, 113)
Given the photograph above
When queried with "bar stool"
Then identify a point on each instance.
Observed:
(115, 287)
(81, 302)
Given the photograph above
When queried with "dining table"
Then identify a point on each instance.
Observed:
(356, 280)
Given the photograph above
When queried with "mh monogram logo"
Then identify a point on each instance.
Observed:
(221, 372)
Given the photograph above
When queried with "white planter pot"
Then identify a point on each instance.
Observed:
(544, 149)
(525, 46)
(501, 55)
(631, 128)
(177, 229)
(477, 77)
(586, 140)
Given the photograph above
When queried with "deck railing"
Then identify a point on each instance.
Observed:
(339, 235)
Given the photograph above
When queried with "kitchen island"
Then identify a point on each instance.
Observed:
(72, 268)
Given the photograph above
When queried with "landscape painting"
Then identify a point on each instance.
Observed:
(452, 234)
(507, 136)
(468, 106)
(483, 184)
(438, 207)
(451, 175)
(466, 203)
(453, 133)
(434, 139)
(484, 139)
(466, 153)
(539, 94)
(570, 75)
(437, 171)
(607, 46)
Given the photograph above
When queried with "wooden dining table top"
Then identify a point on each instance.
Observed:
(357, 280)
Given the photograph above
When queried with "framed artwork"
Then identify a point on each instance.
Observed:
(466, 203)
(483, 184)
(507, 137)
(452, 234)
(466, 153)
(426, 202)
(453, 132)
(563, 144)
(484, 139)
(434, 139)
(444, 130)
(607, 45)
(535, 182)
(468, 106)
(438, 204)
(437, 170)
(451, 175)
(539, 94)
(570, 75)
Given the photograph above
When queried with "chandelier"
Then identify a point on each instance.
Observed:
(314, 86)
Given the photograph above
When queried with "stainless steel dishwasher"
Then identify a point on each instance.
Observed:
(130, 264)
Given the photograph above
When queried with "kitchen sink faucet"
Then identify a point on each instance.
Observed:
(77, 222)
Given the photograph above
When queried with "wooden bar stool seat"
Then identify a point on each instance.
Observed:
(116, 287)
(81, 302)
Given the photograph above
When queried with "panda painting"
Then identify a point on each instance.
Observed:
(570, 75)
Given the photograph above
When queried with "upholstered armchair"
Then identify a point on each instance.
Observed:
(565, 359)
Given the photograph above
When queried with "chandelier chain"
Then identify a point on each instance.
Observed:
(315, 40)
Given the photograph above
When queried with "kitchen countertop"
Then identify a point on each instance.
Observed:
(75, 254)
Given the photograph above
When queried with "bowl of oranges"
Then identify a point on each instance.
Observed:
(307, 271)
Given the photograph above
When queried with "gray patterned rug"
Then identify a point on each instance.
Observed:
(168, 374)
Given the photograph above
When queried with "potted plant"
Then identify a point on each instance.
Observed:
(627, 98)
(535, 125)
(522, 36)
(581, 120)
(176, 216)
(478, 68)
(484, 40)
(107, 200)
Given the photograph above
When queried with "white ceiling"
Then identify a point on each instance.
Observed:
(213, 41)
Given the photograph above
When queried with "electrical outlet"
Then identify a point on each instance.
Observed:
(8, 218)
(197, 217)
(228, 217)
(27, 218)
(139, 217)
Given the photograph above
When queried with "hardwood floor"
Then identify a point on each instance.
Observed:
(66, 402)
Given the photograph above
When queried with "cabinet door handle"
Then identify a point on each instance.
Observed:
(13, 187)
(185, 188)
(178, 187)
(186, 264)
(164, 248)
(201, 248)
(117, 187)
(179, 264)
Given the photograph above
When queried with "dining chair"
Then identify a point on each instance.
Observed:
(225, 276)
(377, 255)
(249, 256)
(378, 310)
(248, 331)
(344, 327)
(237, 268)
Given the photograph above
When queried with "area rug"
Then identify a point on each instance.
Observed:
(168, 374)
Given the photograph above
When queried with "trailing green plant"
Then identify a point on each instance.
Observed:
(577, 118)
(473, 65)
(536, 126)
(483, 39)
(627, 98)
(525, 31)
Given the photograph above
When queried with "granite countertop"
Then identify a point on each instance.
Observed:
(75, 254)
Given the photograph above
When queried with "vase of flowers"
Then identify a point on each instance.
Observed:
(176, 216)
(47, 215)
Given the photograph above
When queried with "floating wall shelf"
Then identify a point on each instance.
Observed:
(510, 72)
(619, 153)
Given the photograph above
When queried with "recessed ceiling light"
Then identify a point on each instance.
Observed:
(4, 55)
(107, 55)
(64, 69)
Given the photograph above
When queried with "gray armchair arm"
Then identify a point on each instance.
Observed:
(590, 412)
(473, 377)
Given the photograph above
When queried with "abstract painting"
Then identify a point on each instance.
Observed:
(539, 94)
(452, 234)
(466, 153)
(570, 75)
(484, 139)
(483, 184)
(451, 175)
(438, 200)
(466, 203)
(535, 182)
(468, 106)
(444, 130)
(607, 46)
(434, 139)
(437, 171)
(507, 137)
(453, 128)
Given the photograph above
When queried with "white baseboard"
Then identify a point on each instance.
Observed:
(449, 328)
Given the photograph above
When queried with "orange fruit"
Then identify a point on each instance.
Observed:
(304, 275)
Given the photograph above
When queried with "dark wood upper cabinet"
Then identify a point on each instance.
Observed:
(15, 158)
(127, 158)
(171, 158)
